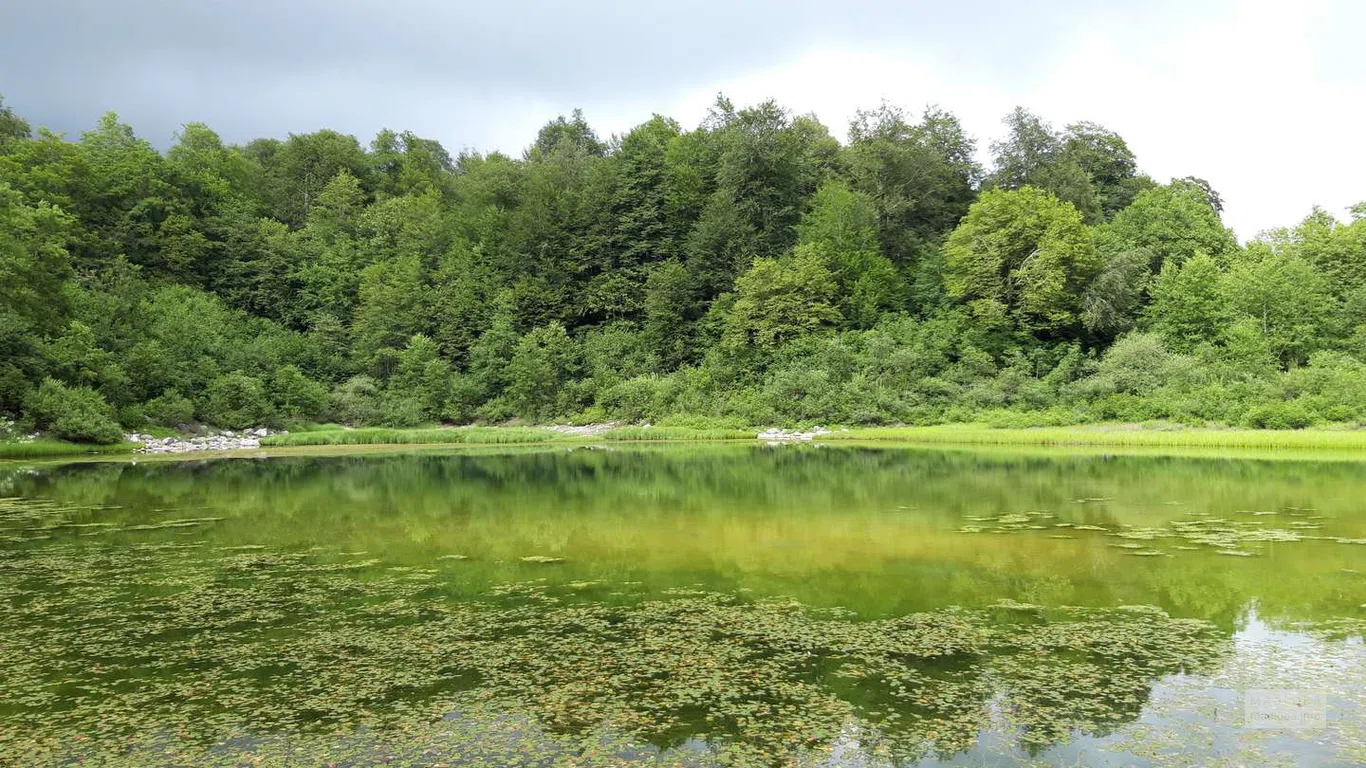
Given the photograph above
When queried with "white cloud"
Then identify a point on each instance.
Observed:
(1237, 98)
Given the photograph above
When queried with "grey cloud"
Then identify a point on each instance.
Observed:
(263, 67)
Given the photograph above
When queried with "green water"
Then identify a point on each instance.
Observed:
(705, 605)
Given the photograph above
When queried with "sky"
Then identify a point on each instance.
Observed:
(1265, 100)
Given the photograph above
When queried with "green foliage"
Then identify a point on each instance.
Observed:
(842, 225)
(1033, 155)
(78, 414)
(1279, 416)
(1287, 300)
(920, 177)
(169, 409)
(423, 379)
(748, 271)
(295, 396)
(33, 261)
(358, 401)
(1187, 308)
(1026, 251)
(1336, 250)
(543, 364)
(1113, 301)
(237, 401)
(660, 434)
(1107, 161)
(778, 300)
(669, 322)
(443, 436)
(1173, 223)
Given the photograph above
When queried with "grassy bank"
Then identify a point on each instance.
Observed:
(1114, 435)
(429, 436)
(39, 449)
(677, 433)
(497, 436)
(1097, 436)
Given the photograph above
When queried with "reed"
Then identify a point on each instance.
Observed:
(1114, 435)
(651, 434)
(39, 449)
(430, 436)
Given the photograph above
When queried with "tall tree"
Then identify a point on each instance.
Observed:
(1108, 163)
(769, 162)
(1172, 222)
(1033, 154)
(920, 176)
(1026, 252)
(841, 225)
(1187, 307)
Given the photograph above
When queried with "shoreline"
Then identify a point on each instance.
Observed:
(1349, 442)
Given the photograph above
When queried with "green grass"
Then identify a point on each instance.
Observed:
(430, 436)
(1098, 435)
(1115, 435)
(493, 436)
(44, 448)
(311, 426)
(677, 433)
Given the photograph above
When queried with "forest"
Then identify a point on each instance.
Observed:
(754, 270)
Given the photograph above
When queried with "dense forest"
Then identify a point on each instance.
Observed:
(753, 270)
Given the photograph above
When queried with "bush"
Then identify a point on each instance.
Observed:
(1285, 415)
(296, 396)
(703, 422)
(403, 411)
(542, 367)
(236, 401)
(1137, 364)
(466, 395)
(170, 409)
(357, 400)
(79, 414)
(636, 399)
(132, 416)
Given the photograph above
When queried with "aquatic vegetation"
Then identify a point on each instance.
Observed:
(1223, 536)
(217, 655)
(542, 559)
(660, 605)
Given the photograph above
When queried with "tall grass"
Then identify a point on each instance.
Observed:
(385, 436)
(39, 449)
(1115, 435)
(676, 433)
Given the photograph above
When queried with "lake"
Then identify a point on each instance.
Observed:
(684, 605)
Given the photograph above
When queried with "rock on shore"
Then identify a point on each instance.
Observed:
(782, 435)
(227, 440)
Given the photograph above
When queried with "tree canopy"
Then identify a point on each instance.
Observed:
(751, 269)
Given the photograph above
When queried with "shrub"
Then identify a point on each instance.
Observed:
(357, 400)
(1285, 415)
(422, 377)
(466, 395)
(402, 411)
(544, 363)
(295, 395)
(635, 399)
(132, 416)
(169, 409)
(236, 401)
(79, 414)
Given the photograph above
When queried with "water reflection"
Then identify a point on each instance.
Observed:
(692, 607)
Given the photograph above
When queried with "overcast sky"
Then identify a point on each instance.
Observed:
(1266, 100)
